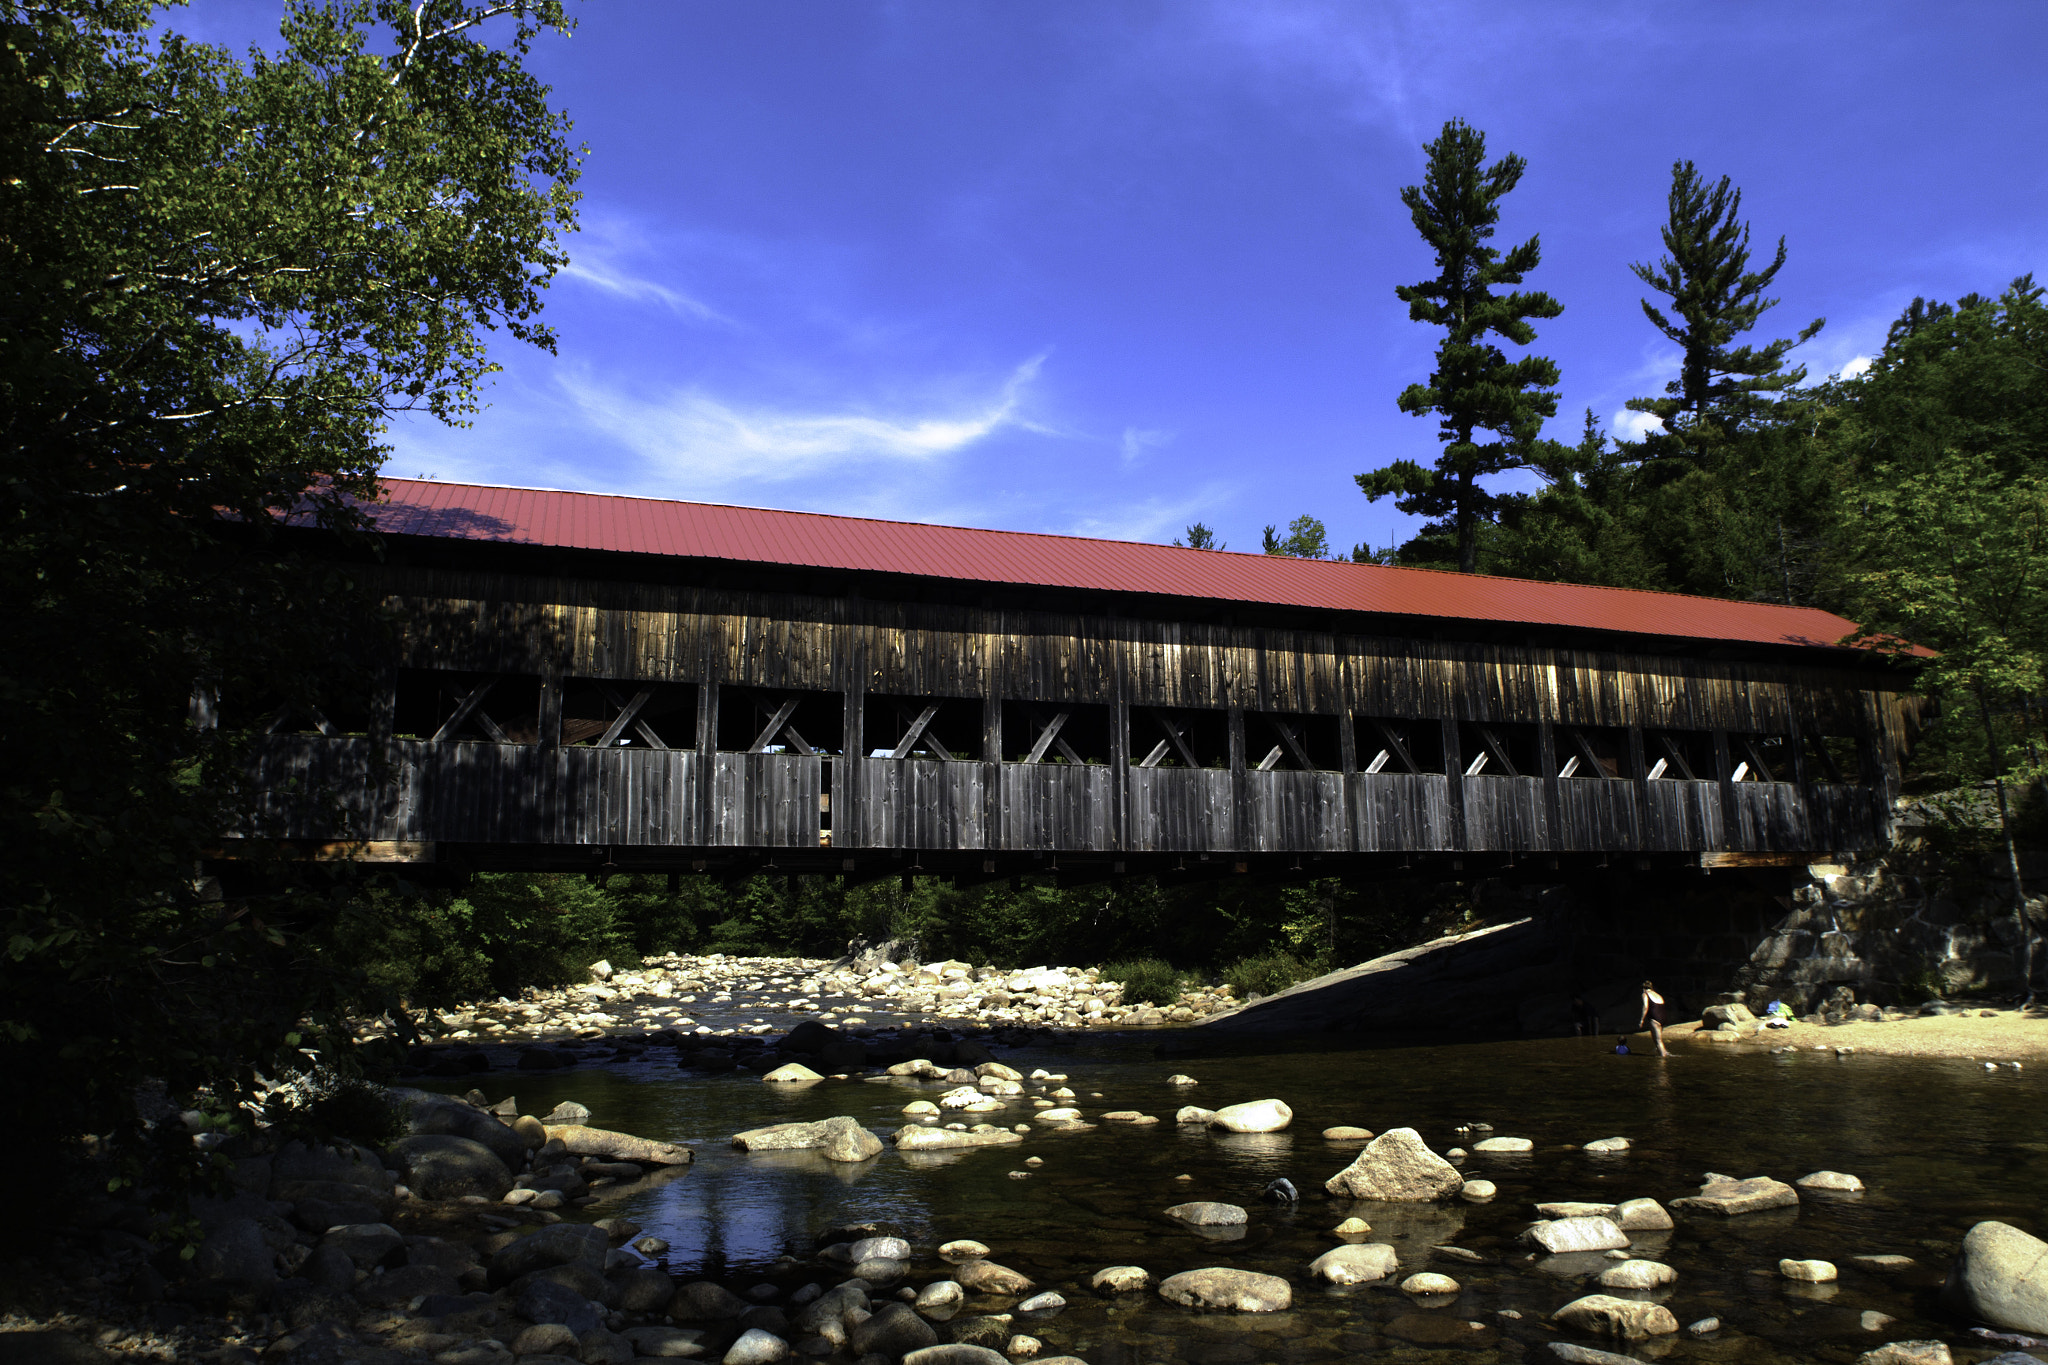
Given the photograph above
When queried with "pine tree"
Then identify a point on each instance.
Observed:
(1475, 388)
(1722, 389)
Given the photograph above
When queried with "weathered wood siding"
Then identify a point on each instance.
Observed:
(468, 791)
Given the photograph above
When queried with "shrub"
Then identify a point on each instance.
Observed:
(1266, 973)
(1145, 979)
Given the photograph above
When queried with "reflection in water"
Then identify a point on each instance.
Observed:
(1098, 1199)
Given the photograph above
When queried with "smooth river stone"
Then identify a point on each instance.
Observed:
(1637, 1275)
(1120, 1279)
(1504, 1144)
(792, 1072)
(1205, 1213)
(1731, 1197)
(1236, 1291)
(1361, 1264)
(1344, 1132)
(1836, 1181)
(1561, 1235)
(1605, 1315)
(1478, 1191)
(1606, 1145)
(1640, 1215)
(2001, 1277)
(1571, 1208)
(1812, 1272)
(986, 1277)
(1195, 1114)
(1429, 1282)
(917, 1139)
(1396, 1167)
(1253, 1116)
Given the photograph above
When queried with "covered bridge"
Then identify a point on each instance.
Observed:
(591, 681)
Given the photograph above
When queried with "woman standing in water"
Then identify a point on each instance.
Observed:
(1653, 1017)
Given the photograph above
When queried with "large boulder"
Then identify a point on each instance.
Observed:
(576, 1244)
(367, 1245)
(840, 1139)
(2001, 1277)
(894, 1330)
(296, 1165)
(1398, 1167)
(1253, 1116)
(1731, 1197)
(1233, 1291)
(579, 1140)
(431, 1115)
(1734, 1016)
(237, 1257)
(442, 1166)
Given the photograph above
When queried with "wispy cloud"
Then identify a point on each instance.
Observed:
(599, 271)
(701, 441)
(1857, 366)
(1137, 441)
(1154, 518)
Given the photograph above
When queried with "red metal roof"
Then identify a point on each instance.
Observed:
(654, 526)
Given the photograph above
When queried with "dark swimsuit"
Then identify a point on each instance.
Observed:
(1656, 1013)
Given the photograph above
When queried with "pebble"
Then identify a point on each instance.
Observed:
(1352, 1227)
(1704, 1327)
(1042, 1303)
(1478, 1191)
(964, 1249)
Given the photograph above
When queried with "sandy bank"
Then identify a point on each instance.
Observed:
(2006, 1035)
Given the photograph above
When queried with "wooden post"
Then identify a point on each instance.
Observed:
(550, 719)
(1240, 789)
(1731, 802)
(1454, 776)
(1347, 752)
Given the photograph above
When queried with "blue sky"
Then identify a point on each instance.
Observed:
(1111, 266)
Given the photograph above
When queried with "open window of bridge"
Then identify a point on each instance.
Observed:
(1759, 758)
(1592, 752)
(1498, 748)
(1397, 745)
(1055, 732)
(604, 714)
(760, 720)
(922, 727)
(1292, 740)
(1165, 737)
(1833, 757)
(1679, 756)
(498, 708)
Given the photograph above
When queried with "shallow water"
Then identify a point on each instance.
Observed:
(1940, 1145)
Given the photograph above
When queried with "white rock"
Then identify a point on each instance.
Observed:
(1812, 1272)
(1253, 1116)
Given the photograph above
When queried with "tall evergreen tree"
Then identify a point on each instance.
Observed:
(1715, 297)
(1475, 389)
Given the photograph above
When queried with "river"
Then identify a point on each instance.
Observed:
(1940, 1145)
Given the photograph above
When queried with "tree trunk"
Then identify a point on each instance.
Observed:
(2012, 853)
(1468, 526)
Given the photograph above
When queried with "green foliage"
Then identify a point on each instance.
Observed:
(1306, 538)
(1474, 388)
(1146, 980)
(219, 275)
(1721, 389)
(1200, 537)
(1266, 974)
